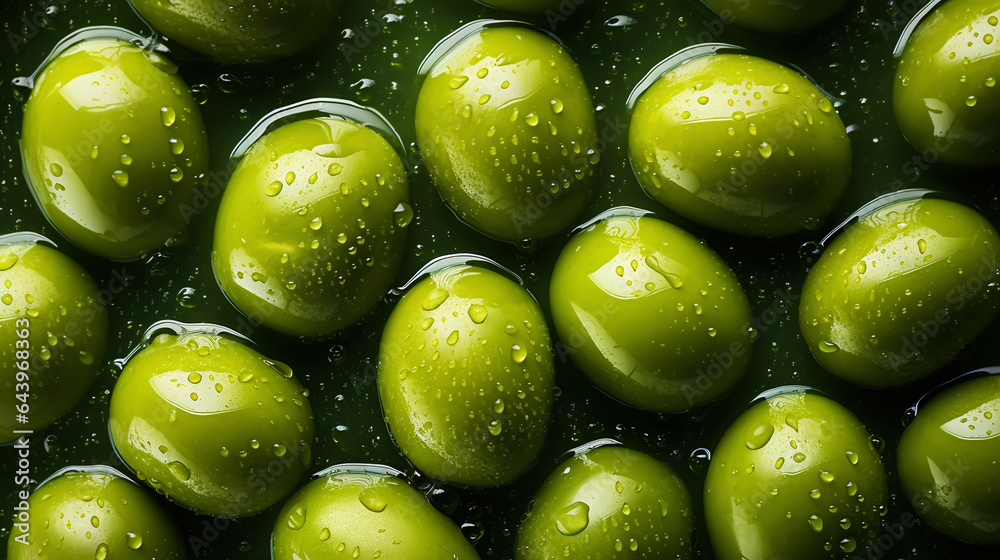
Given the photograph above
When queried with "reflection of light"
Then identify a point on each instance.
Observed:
(975, 426)
(269, 290)
(115, 89)
(176, 393)
(941, 116)
(673, 169)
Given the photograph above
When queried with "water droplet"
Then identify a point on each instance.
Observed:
(518, 353)
(372, 501)
(828, 347)
(179, 470)
(102, 552)
(120, 177)
(176, 174)
(765, 150)
(296, 518)
(133, 540)
(478, 313)
(8, 260)
(458, 81)
(557, 105)
(760, 436)
(274, 189)
(168, 116)
(825, 105)
(403, 214)
(316, 224)
(531, 119)
(498, 406)
(176, 146)
(971, 101)
(452, 338)
(816, 523)
(56, 169)
(435, 298)
(781, 88)
(573, 519)
(495, 427)
(335, 169)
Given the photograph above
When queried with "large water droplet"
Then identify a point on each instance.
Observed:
(168, 116)
(760, 436)
(435, 298)
(371, 499)
(573, 519)
(403, 214)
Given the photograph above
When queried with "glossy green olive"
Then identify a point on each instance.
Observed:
(365, 515)
(624, 271)
(948, 461)
(527, 6)
(466, 376)
(897, 294)
(241, 30)
(609, 503)
(114, 147)
(55, 325)
(795, 476)
(945, 95)
(769, 16)
(212, 424)
(94, 513)
(506, 127)
(741, 144)
(312, 226)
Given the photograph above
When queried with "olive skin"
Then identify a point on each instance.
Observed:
(117, 175)
(768, 16)
(241, 30)
(312, 226)
(741, 144)
(466, 377)
(608, 503)
(897, 294)
(944, 94)
(957, 427)
(525, 6)
(794, 477)
(95, 514)
(507, 130)
(56, 305)
(199, 418)
(365, 515)
(624, 271)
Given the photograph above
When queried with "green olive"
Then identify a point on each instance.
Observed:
(609, 503)
(897, 294)
(945, 95)
(365, 515)
(212, 424)
(948, 461)
(795, 476)
(507, 130)
(526, 6)
(770, 16)
(466, 376)
(741, 144)
(93, 513)
(241, 30)
(623, 271)
(312, 226)
(117, 174)
(54, 336)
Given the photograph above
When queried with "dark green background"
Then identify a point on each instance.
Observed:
(851, 57)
